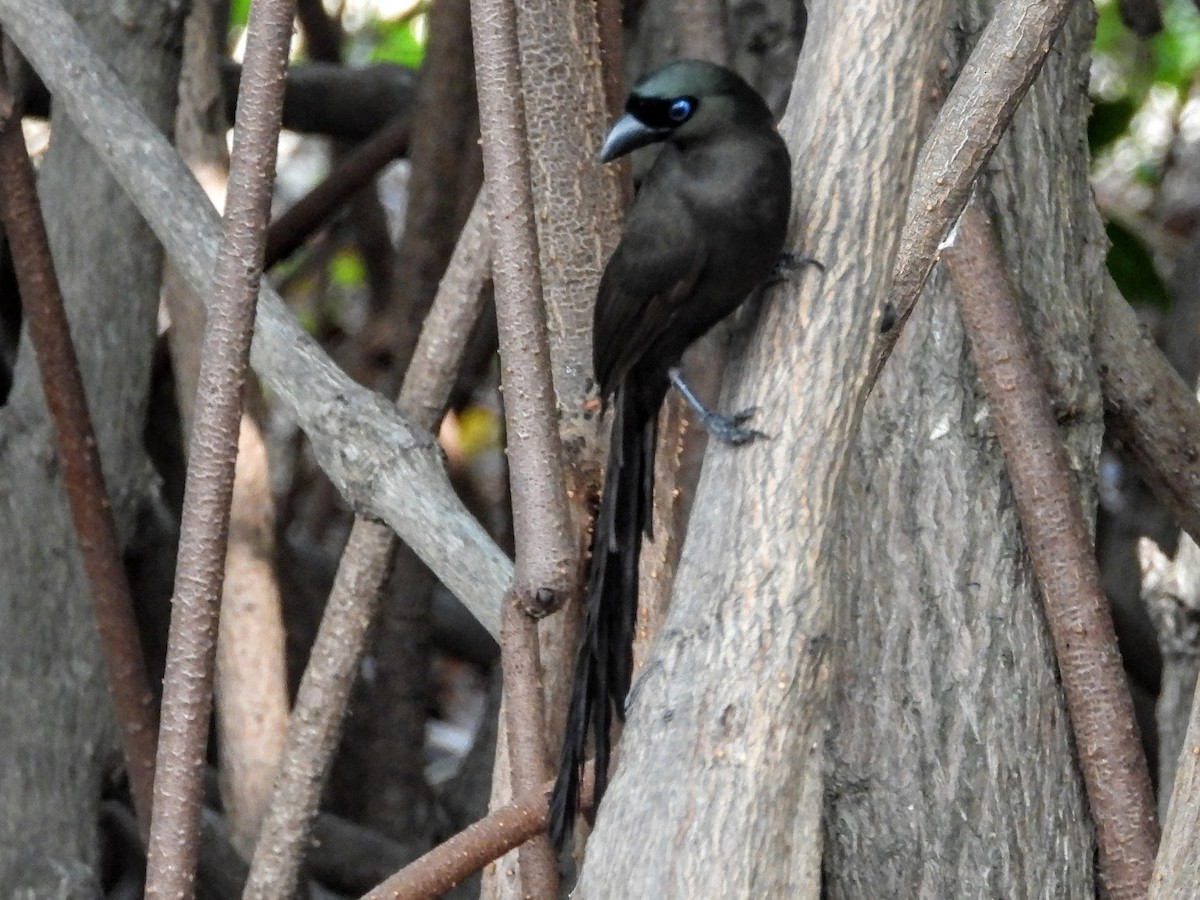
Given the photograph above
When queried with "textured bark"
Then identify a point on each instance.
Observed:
(251, 684)
(56, 729)
(720, 777)
(577, 202)
(1172, 593)
(942, 649)
(577, 207)
(761, 40)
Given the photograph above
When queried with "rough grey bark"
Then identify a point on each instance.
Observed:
(951, 766)
(719, 783)
(56, 730)
(763, 38)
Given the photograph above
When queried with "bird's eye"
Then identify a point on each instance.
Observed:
(680, 110)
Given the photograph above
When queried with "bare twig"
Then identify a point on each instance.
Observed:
(1110, 754)
(322, 32)
(346, 103)
(542, 524)
(353, 172)
(473, 848)
(252, 702)
(83, 477)
(187, 685)
(543, 529)
(1007, 58)
(1149, 410)
(456, 308)
(319, 711)
(396, 473)
(325, 690)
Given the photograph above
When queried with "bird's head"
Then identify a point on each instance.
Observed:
(684, 102)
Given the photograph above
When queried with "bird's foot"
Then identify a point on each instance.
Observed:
(731, 429)
(790, 264)
(727, 429)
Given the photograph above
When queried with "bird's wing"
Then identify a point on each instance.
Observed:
(652, 272)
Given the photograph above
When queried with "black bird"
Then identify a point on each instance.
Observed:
(706, 228)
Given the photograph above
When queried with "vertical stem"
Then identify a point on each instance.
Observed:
(83, 477)
(187, 688)
(1110, 753)
(541, 521)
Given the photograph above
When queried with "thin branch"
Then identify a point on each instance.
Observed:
(334, 101)
(542, 526)
(455, 310)
(354, 172)
(324, 692)
(204, 528)
(1007, 58)
(1110, 754)
(1149, 410)
(476, 846)
(83, 478)
(396, 473)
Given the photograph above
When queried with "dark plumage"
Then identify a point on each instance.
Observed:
(707, 226)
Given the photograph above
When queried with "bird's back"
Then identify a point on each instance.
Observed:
(705, 229)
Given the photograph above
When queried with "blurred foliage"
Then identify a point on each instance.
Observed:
(1132, 268)
(1171, 57)
(400, 41)
(347, 268)
(390, 31)
(239, 13)
(1138, 88)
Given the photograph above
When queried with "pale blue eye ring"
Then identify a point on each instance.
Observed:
(680, 110)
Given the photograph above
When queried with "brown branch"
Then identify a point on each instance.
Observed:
(325, 689)
(542, 526)
(397, 473)
(1150, 412)
(187, 685)
(353, 172)
(476, 846)
(83, 478)
(543, 532)
(990, 87)
(322, 32)
(1110, 754)
(335, 101)
(252, 702)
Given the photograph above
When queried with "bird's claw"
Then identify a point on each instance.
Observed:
(730, 430)
(790, 263)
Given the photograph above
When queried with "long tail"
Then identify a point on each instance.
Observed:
(604, 666)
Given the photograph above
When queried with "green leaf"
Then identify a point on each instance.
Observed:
(346, 269)
(1132, 268)
(239, 13)
(1111, 32)
(401, 42)
(1177, 47)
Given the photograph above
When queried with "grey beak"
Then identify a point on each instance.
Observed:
(628, 134)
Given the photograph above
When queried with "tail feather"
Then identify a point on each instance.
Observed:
(604, 665)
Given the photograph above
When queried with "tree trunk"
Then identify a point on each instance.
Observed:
(56, 724)
(951, 766)
(719, 785)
